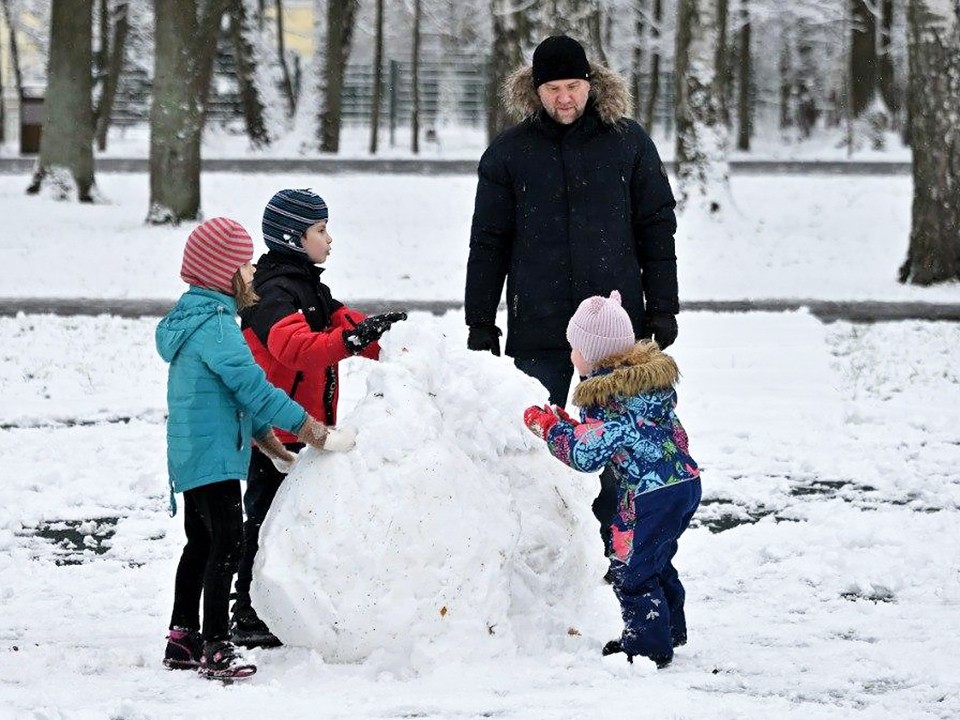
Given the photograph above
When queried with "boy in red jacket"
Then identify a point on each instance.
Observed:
(298, 333)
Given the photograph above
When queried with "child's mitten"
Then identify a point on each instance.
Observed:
(564, 415)
(313, 433)
(539, 420)
(369, 330)
(340, 440)
(271, 446)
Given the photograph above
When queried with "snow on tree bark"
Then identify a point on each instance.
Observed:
(933, 33)
(701, 143)
(67, 140)
(185, 33)
(341, 18)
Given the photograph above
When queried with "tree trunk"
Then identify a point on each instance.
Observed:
(291, 89)
(702, 167)
(511, 33)
(722, 62)
(184, 32)
(743, 95)
(377, 80)
(786, 78)
(415, 62)
(886, 79)
(12, 28)
(341, 16)
(933, 43)
(863, 56)
(654, 90)
(66, 145)
(118, 47)
(246, 59)
(636, 58)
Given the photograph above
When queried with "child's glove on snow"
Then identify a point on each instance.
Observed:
(539, 420)
(313, 433)
(369, 330)
(340, 440)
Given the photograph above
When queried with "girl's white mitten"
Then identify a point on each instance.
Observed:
(340, 440)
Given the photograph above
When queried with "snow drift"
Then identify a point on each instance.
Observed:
(448, 531)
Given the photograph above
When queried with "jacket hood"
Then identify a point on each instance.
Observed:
(642, 369)
(608, 90)
(193, 309)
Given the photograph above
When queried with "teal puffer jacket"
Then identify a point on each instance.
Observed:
(218, 398)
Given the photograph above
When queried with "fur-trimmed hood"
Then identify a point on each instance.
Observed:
(608, 90)
(643, 368)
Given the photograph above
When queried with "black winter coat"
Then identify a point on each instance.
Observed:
(566, 213)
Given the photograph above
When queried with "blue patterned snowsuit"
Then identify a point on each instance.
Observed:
(629, 423)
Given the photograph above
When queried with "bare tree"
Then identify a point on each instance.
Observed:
(248, 62)
(933, 31)
(66, 145)
(415, 62)
(113, 47)
(290, 89)
(743, 88)
(702, 167)
(653, 90)
(512, 26)
(377, 79)
(886, 75)
(186, 37)
(12, 23)
(341, 17)
(636, 55)
(863, 55)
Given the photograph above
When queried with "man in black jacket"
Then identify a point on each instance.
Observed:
(571, 202)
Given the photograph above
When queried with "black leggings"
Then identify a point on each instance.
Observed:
(213, 522)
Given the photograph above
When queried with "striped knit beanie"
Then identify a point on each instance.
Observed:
(287, 217)
(214, 252)
(600, 328)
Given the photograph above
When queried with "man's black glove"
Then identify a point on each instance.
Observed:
(484, 337)
(663, 328)
(369, 330)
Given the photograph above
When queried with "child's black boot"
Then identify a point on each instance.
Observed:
(221, 661)
(184, 648)
(247, 629)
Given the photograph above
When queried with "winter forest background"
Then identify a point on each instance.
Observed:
(712, 77)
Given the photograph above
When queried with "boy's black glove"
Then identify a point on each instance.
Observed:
(484, 337)
(369, 330)
(663, 328)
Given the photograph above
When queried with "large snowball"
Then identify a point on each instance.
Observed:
(449, 529)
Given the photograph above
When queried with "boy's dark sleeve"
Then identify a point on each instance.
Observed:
(491, 240)
(654, 225)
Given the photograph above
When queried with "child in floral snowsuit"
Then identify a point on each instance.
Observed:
(627, 402)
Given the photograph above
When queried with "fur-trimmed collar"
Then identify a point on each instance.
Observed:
(641, 369)
(609, 91)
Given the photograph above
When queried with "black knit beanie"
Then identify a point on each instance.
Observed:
(559, 57)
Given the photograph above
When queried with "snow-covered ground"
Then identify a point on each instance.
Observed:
(823, 568)
(405, 237)
(822, 571)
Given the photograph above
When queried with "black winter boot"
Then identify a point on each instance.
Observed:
(247, 629)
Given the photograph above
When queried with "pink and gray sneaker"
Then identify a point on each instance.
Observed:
(221, 661)
(184, 648)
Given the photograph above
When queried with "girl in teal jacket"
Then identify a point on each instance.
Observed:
(218, 401)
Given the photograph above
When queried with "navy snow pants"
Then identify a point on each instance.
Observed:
(649, 590)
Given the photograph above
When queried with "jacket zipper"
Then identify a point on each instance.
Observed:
(296, 383)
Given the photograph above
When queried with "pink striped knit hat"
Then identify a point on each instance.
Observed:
(600, 328)
(214, 252)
